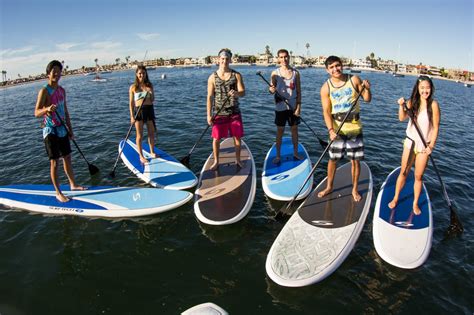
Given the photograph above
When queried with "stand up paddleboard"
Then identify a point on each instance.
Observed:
(102, 201)
(224, 196)
(402, 238)
(162, 172)
(283, 180)
(322, 232)
(205, 309)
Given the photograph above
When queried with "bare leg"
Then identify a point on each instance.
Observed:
(54, 178)
(329, 183)
(355, 172)
(402, 177)
(237, 144)
(294, 139)
(139, 128)
(151, 137)
(67, 164)
(215, 149)
(420, 165)
(279, 136)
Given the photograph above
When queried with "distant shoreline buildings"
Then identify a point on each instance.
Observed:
(370, 63)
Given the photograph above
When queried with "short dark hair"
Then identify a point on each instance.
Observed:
(53, 64)
(283, 51)
(331, 60)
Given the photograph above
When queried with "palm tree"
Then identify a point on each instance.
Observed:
(117, 60)
(127, 59)
(268, 51)
(96, 62)
(307, 49)
(4, 75)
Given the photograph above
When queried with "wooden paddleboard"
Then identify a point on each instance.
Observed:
(163, 172)
(322, 232)
(402, 238)
(225, 196)
(282, 181)
(101, 201)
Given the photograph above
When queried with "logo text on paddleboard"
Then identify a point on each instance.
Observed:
(280, 177)
(136, 196)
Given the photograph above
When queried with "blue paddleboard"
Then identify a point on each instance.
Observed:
(402, 238)
(283, 180)
(162, 172)
(100, 201)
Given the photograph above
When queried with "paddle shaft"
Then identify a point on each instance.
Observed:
(75, 143)
(326, 149)
(129, 131)
(322, 142)
(443, 187)
(212, 119)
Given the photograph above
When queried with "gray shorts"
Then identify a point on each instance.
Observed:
(351, 146)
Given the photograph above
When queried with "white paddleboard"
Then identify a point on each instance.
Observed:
(205, 309)
(322, 232)
(402, 238)
(102, 201)
(162, 172)
(282, 181)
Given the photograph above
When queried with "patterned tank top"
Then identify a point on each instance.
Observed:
(222, 87)
(342, 99)
(287, 89)
(52, 123)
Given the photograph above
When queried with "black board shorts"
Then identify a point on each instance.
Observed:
(282, 117)
(147, 113)
(57, 147)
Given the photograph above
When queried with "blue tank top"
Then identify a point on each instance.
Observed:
(51, 123)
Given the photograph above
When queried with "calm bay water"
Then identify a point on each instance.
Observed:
(167, 263)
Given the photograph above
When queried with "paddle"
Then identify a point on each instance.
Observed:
(112, 173)
(185, 160)
(92, 168)
(321, 142)
(284, 209)
(455, 226)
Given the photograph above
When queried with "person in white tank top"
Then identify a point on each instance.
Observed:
(286, 81)
(427, 115)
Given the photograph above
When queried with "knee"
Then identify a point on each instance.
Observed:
(418, 177)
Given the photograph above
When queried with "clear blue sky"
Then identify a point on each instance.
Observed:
(33, 32)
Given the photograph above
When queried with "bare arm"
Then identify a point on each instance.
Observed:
(67, 117)
(273, 82)
(131, 103)
(298, 94)
(240, 86)
(327, 108)
(402, 114)
(436, 120)
(366, 94)
(42, 107)
(210, 98)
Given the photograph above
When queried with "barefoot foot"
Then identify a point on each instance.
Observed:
(214, 166)
(239, 164)
(80, 188)
(143, 160)
(416, 210)
(357, 197)
(297, 157)
(62, 198)
(276, 160)
(325, 192)
(392, 204)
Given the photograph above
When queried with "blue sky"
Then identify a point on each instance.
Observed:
(434, 32)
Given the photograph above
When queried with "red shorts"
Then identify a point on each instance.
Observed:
(228, 126)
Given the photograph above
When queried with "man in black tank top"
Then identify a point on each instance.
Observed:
(224, 87)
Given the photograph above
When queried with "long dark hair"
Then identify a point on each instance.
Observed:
(146, 80)
(415, 98)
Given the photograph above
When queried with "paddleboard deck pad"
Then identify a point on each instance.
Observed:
(100, 201)
(322, 232)
(402, 238)
(282, 181)
(225, 195)
(162, 172)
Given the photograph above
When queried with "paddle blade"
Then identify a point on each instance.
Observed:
(185, 160)
(455, 226)
(112, 174)
(285, 212)
(93, 169)
(323, 143)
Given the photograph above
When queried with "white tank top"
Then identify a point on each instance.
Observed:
(424, 124)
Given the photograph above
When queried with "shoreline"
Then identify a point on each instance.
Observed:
(241, 64)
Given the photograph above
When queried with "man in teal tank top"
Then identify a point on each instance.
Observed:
(337, 96)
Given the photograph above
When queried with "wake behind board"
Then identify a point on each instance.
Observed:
(205, 309)
(282, 181)
(224, 196)
(163, 172)
(322, 232)
(402, 238)
(100, 201)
